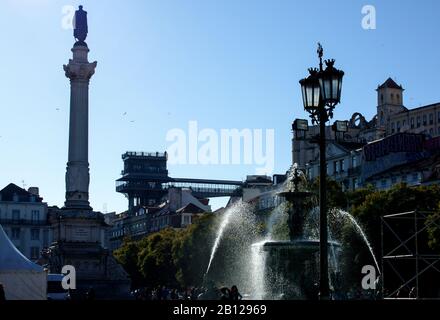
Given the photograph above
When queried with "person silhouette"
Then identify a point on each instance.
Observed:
(234, 294)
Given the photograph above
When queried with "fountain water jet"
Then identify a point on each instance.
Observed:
(223, 224)
(362, 233)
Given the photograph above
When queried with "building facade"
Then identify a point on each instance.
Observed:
(344, 161)
(347, 158)
(24, 217)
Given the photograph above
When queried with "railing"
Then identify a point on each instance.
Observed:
(124, 185)
(143, 154)
(23, 222)
(211, 189)
(143, 172)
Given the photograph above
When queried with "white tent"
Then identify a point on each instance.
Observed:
(21, 278)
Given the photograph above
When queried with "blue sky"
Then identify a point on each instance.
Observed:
(224, 63)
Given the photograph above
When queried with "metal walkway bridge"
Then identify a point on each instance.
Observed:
(201, 188)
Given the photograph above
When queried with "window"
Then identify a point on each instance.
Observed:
(186, 220)
(392, 127)
(412, 123)
(438, 117)
(35, 234)
(35, 215)
(341, 165)
(425, 120)
(35, 252)
(335, 166)
(398, 126)
(355, 183)
(431, 119)
(403, 124)
(15, 215)
(398, 98)
(392, 97)
(418, 122)
(431, 131)
(353, 162)
(15, 233)
(383, 183)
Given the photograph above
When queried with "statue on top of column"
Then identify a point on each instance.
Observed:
(80, 28)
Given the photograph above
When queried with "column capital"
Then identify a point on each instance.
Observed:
(79, 68)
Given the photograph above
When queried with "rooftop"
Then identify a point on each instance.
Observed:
(12, 191)
(390, 83)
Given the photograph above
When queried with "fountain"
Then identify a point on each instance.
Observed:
(292, 265)
(283, 263)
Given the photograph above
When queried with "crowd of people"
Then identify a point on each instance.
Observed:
(195, 293)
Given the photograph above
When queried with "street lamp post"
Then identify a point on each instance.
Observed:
(321, 92)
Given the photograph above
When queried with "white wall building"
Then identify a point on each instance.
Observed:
(23, 216)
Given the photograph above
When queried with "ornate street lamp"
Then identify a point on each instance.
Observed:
(321, 92)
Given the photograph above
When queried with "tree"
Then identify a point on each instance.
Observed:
(336, 198)
(155, 258)
(192, 250)
(127, 256)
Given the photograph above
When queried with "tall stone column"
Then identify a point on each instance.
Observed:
(79, 71)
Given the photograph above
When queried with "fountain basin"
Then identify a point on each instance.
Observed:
(300, 245)
(291, 268)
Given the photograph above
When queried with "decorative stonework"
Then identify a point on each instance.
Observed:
(79, 71)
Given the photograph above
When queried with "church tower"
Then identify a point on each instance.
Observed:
(389, 101)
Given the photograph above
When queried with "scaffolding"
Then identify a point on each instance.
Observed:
(408, 265)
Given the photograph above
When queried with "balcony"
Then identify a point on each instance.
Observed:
(23, 222)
